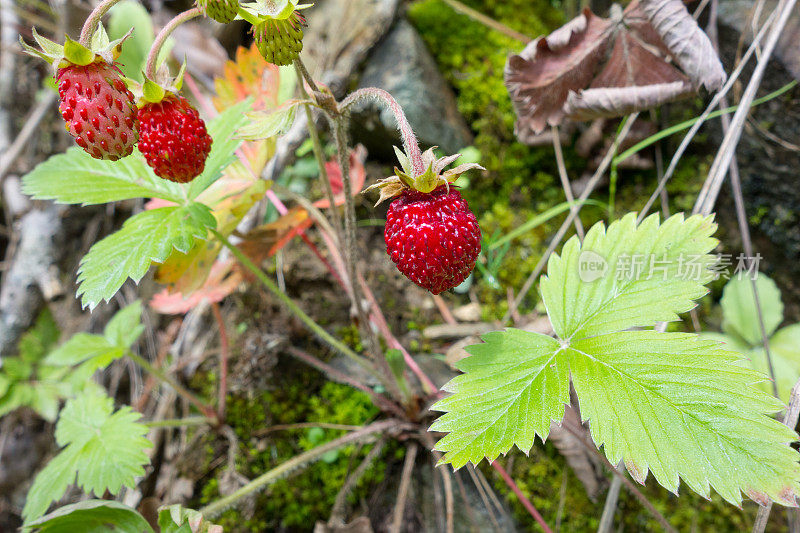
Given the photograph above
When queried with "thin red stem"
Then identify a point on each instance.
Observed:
(522, 498)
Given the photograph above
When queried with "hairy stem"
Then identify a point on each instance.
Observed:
(410, 143)
(343, 154)
(299, 461)
(318, 152)
(207, 411)
(318, 330)
(91, 22)
(161, 38)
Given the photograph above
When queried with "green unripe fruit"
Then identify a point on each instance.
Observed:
(280, 41)
(223, 11)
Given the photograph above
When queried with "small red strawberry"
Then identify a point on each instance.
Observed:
(97, 106)
(433, 237)
(173, 139)
(98, 109)
(431, 234)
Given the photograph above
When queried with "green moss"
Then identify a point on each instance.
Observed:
(540, 478)
(298, 501)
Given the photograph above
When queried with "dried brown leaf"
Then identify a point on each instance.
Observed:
(689, 46)
(594, 67)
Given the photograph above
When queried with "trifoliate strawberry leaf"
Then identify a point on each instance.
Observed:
(739, 307)
(92, 516)
(146, 238)
(103, 450)
(674, 404)
(224, 145)
(93, 352)
(75, 177)
(628, 275)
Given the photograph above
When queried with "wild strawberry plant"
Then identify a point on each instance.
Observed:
(668, 403)
(680, 406)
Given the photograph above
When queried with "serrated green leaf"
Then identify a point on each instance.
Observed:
(620, 298)
(675, 404)
(92, 352)
(75, 177)
(103, 450)
(144, 239)
(92, 516)
(179, 519)
(528, 389)
(222, 130)
(739, 307)
(266, 124)
(125, 326)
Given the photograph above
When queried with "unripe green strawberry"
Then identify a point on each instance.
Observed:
(280, 41)
(223, 11)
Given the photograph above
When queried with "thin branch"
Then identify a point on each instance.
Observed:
(224, 354)
(610, 506)
(338, 511)
(402, 492)
(721, 164)
(741, 218)
(487, 21)
(207, 411)
(380, 400)
(92, 20)
(522, 498)
(562, 173)
(363, 435)
(316, 144)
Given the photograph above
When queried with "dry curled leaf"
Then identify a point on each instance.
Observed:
(592, 67)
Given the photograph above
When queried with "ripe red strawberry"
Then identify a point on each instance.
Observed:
(433, 237)
(98, 109)
(173, 139)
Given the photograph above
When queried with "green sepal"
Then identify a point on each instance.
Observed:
(76, 53)
(405, 178)
(152, 92)
(50, 48)
(427, 181)
(405, 162)
(177, 84)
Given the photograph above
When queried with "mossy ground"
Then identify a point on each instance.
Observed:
(521, 182)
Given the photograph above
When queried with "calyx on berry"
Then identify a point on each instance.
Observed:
(277, 29)
(434, 176)
(74, 53)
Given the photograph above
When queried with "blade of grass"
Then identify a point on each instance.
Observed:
(689, 123)
(540, 219)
